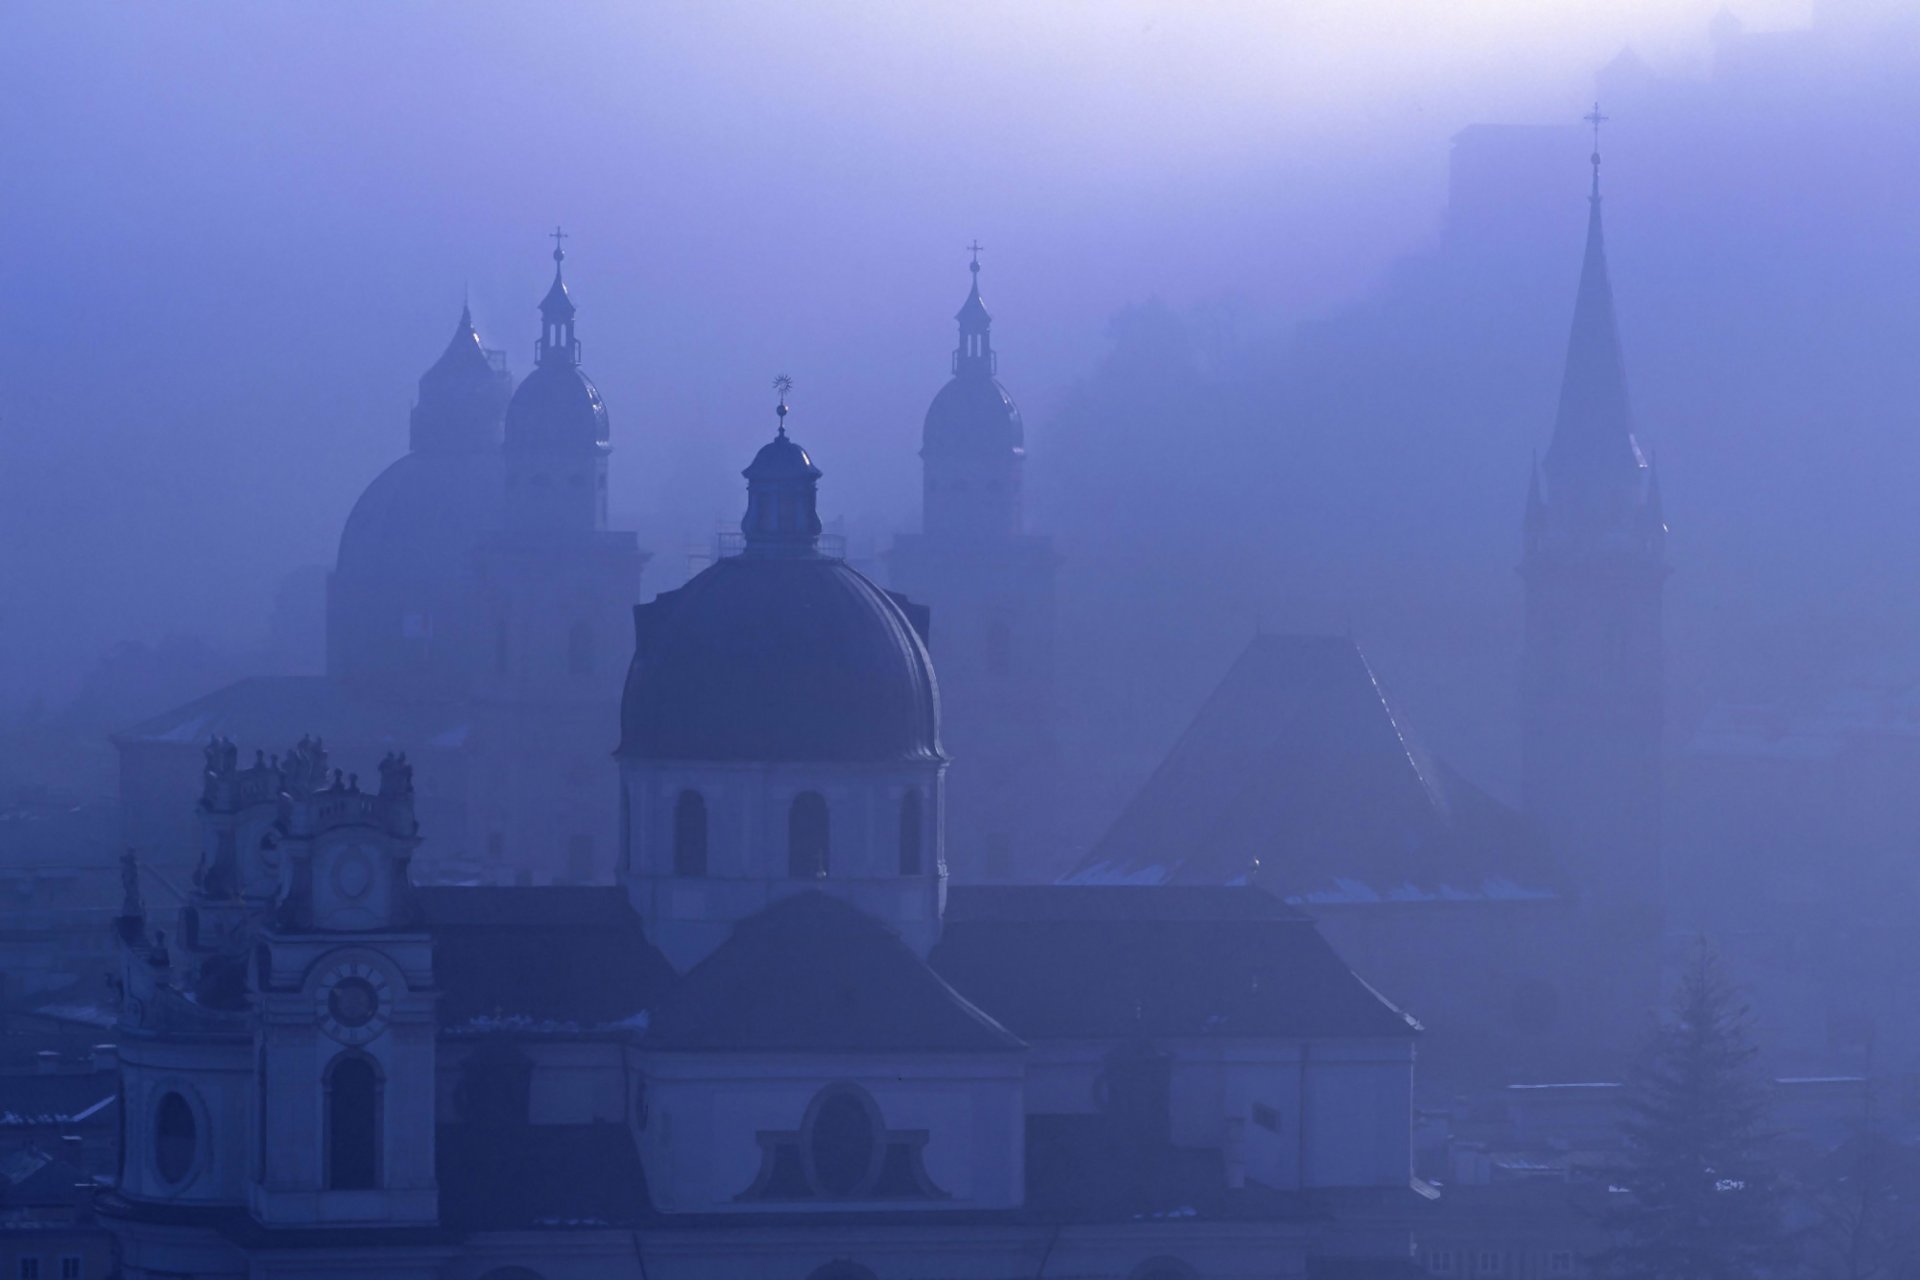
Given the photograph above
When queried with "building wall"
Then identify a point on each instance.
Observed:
(705, 1113)
(747, 807)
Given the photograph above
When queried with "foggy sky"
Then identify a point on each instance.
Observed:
(236, 234)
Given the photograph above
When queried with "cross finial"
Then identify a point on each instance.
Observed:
(1595, 119)
(975, 249)
(558, 236)
(781, 385)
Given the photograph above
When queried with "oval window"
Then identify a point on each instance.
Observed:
(173, 1138)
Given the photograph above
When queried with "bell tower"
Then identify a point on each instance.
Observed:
(556, 587)
(990, 586)
(344, 988)
(1593, 564)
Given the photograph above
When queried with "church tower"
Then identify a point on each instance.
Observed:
(1594, 566)
(555, 589)
(990, 586)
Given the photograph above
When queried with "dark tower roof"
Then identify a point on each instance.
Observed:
(973, 414)
(463, 396)
(781, 653)
(1596, 477)
(557, 407)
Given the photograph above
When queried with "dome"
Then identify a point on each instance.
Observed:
(781, 658)
(971, 413)
(423, 516)
(556, 406)
(782, 459)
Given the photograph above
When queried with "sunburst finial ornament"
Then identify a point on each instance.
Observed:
(781, 385)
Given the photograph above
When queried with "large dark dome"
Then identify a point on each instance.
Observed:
(556, 406)
(971, 413)
(423, 516)
(780, 658)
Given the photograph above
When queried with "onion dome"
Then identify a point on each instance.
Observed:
(463, 396)
(557, 407)
(973, 413)
(781, 653)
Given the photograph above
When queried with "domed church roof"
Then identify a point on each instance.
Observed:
(973, 414)
(557, 406)
(781, 653)
(973, 411)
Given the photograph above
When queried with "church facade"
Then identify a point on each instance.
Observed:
(476, 615)
(781, 1044)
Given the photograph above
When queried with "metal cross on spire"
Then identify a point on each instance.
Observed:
(1595, 119)
(558, 235)
(975, 249)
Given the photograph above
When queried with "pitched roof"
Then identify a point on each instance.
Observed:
(1119, 961)
(557, 959)
(811, 974)
(1298, 761)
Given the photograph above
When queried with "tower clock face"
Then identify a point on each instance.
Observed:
(354, 1002)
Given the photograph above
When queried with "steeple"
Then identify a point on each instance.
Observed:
(782, 517)
(975, 352)
(463, 396)
(1593, 465)
(557, 344)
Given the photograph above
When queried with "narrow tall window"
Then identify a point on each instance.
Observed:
(174, 1139)
(910, 834)
(690, 834)
(353, 1125)
(807, 837)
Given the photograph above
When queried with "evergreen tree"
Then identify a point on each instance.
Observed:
(1702, 1195)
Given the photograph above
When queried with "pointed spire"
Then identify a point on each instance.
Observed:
(464, 362)
(1593, 458)
(557, 343)
(975, 353)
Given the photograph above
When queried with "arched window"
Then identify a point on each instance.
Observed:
(807, 836)
(690, 834)
(580, 649)
(353, 1124)
(910, 833)
(842, 1143)
(174, 1138)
